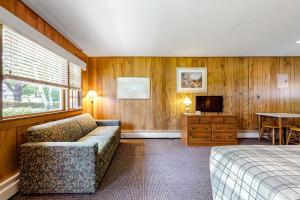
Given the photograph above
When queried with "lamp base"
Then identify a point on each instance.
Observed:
(187, 110)
(92, 101)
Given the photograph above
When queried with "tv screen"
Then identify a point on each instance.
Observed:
(209, 103)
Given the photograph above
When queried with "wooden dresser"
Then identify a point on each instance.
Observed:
(209, 129)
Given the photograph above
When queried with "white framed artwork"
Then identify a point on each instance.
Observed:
(191, 80)
(133, 88)
(282, 80)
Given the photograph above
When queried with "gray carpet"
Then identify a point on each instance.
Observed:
(152, 169)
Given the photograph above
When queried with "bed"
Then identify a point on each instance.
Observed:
(255, 172)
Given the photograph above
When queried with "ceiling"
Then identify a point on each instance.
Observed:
(176, 27)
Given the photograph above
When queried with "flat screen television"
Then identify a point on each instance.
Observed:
(209, 103)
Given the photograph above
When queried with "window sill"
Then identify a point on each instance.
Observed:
(22, 117)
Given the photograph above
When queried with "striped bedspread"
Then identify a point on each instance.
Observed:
(255, 172)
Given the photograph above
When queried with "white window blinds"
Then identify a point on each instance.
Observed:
(75, 76)
(26, 60)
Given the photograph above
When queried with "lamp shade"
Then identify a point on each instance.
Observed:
(91, 94)
(187, 101)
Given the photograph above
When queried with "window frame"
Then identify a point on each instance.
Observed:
(79, 99)
(65, 97)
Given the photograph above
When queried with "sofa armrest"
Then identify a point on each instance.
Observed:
(58, 167)
(106, 122)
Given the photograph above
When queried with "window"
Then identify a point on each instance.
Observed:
(34, 79)
(74, 86)
(22, 98)
(75, 98)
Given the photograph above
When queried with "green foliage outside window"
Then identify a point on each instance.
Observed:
(21, 98)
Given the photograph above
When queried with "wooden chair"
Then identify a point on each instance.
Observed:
(271, 129)
(293, 133)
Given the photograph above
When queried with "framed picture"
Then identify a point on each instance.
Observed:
(282, 80)
(191, 80)
(133, 88)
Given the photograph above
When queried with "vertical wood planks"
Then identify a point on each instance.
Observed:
(248, 84)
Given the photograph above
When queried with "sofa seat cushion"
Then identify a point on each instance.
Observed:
(86, 122)
(106, 131)
(104, 136)
(103, 142)
(66, 130)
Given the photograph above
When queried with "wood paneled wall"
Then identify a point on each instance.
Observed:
(248, 84)
(19, 9)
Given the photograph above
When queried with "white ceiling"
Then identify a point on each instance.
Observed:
(177, 27)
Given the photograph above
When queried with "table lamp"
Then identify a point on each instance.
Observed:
(91, 95)
(187, 102)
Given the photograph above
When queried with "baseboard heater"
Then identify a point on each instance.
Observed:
(175, 134)
(9, 187)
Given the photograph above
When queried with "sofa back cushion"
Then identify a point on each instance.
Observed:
(86, 122)
(66, 130)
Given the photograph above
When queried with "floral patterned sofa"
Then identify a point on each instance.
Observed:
(67, 156)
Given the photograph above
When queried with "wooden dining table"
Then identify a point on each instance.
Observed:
(279, 117)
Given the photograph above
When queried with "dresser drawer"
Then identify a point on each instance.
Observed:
(229, 120)
(218, 120)
(205, 120)
(224, 120)
(219, 128)
(199, 137)
(196, 128)
(224, 137)
(193, 120)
